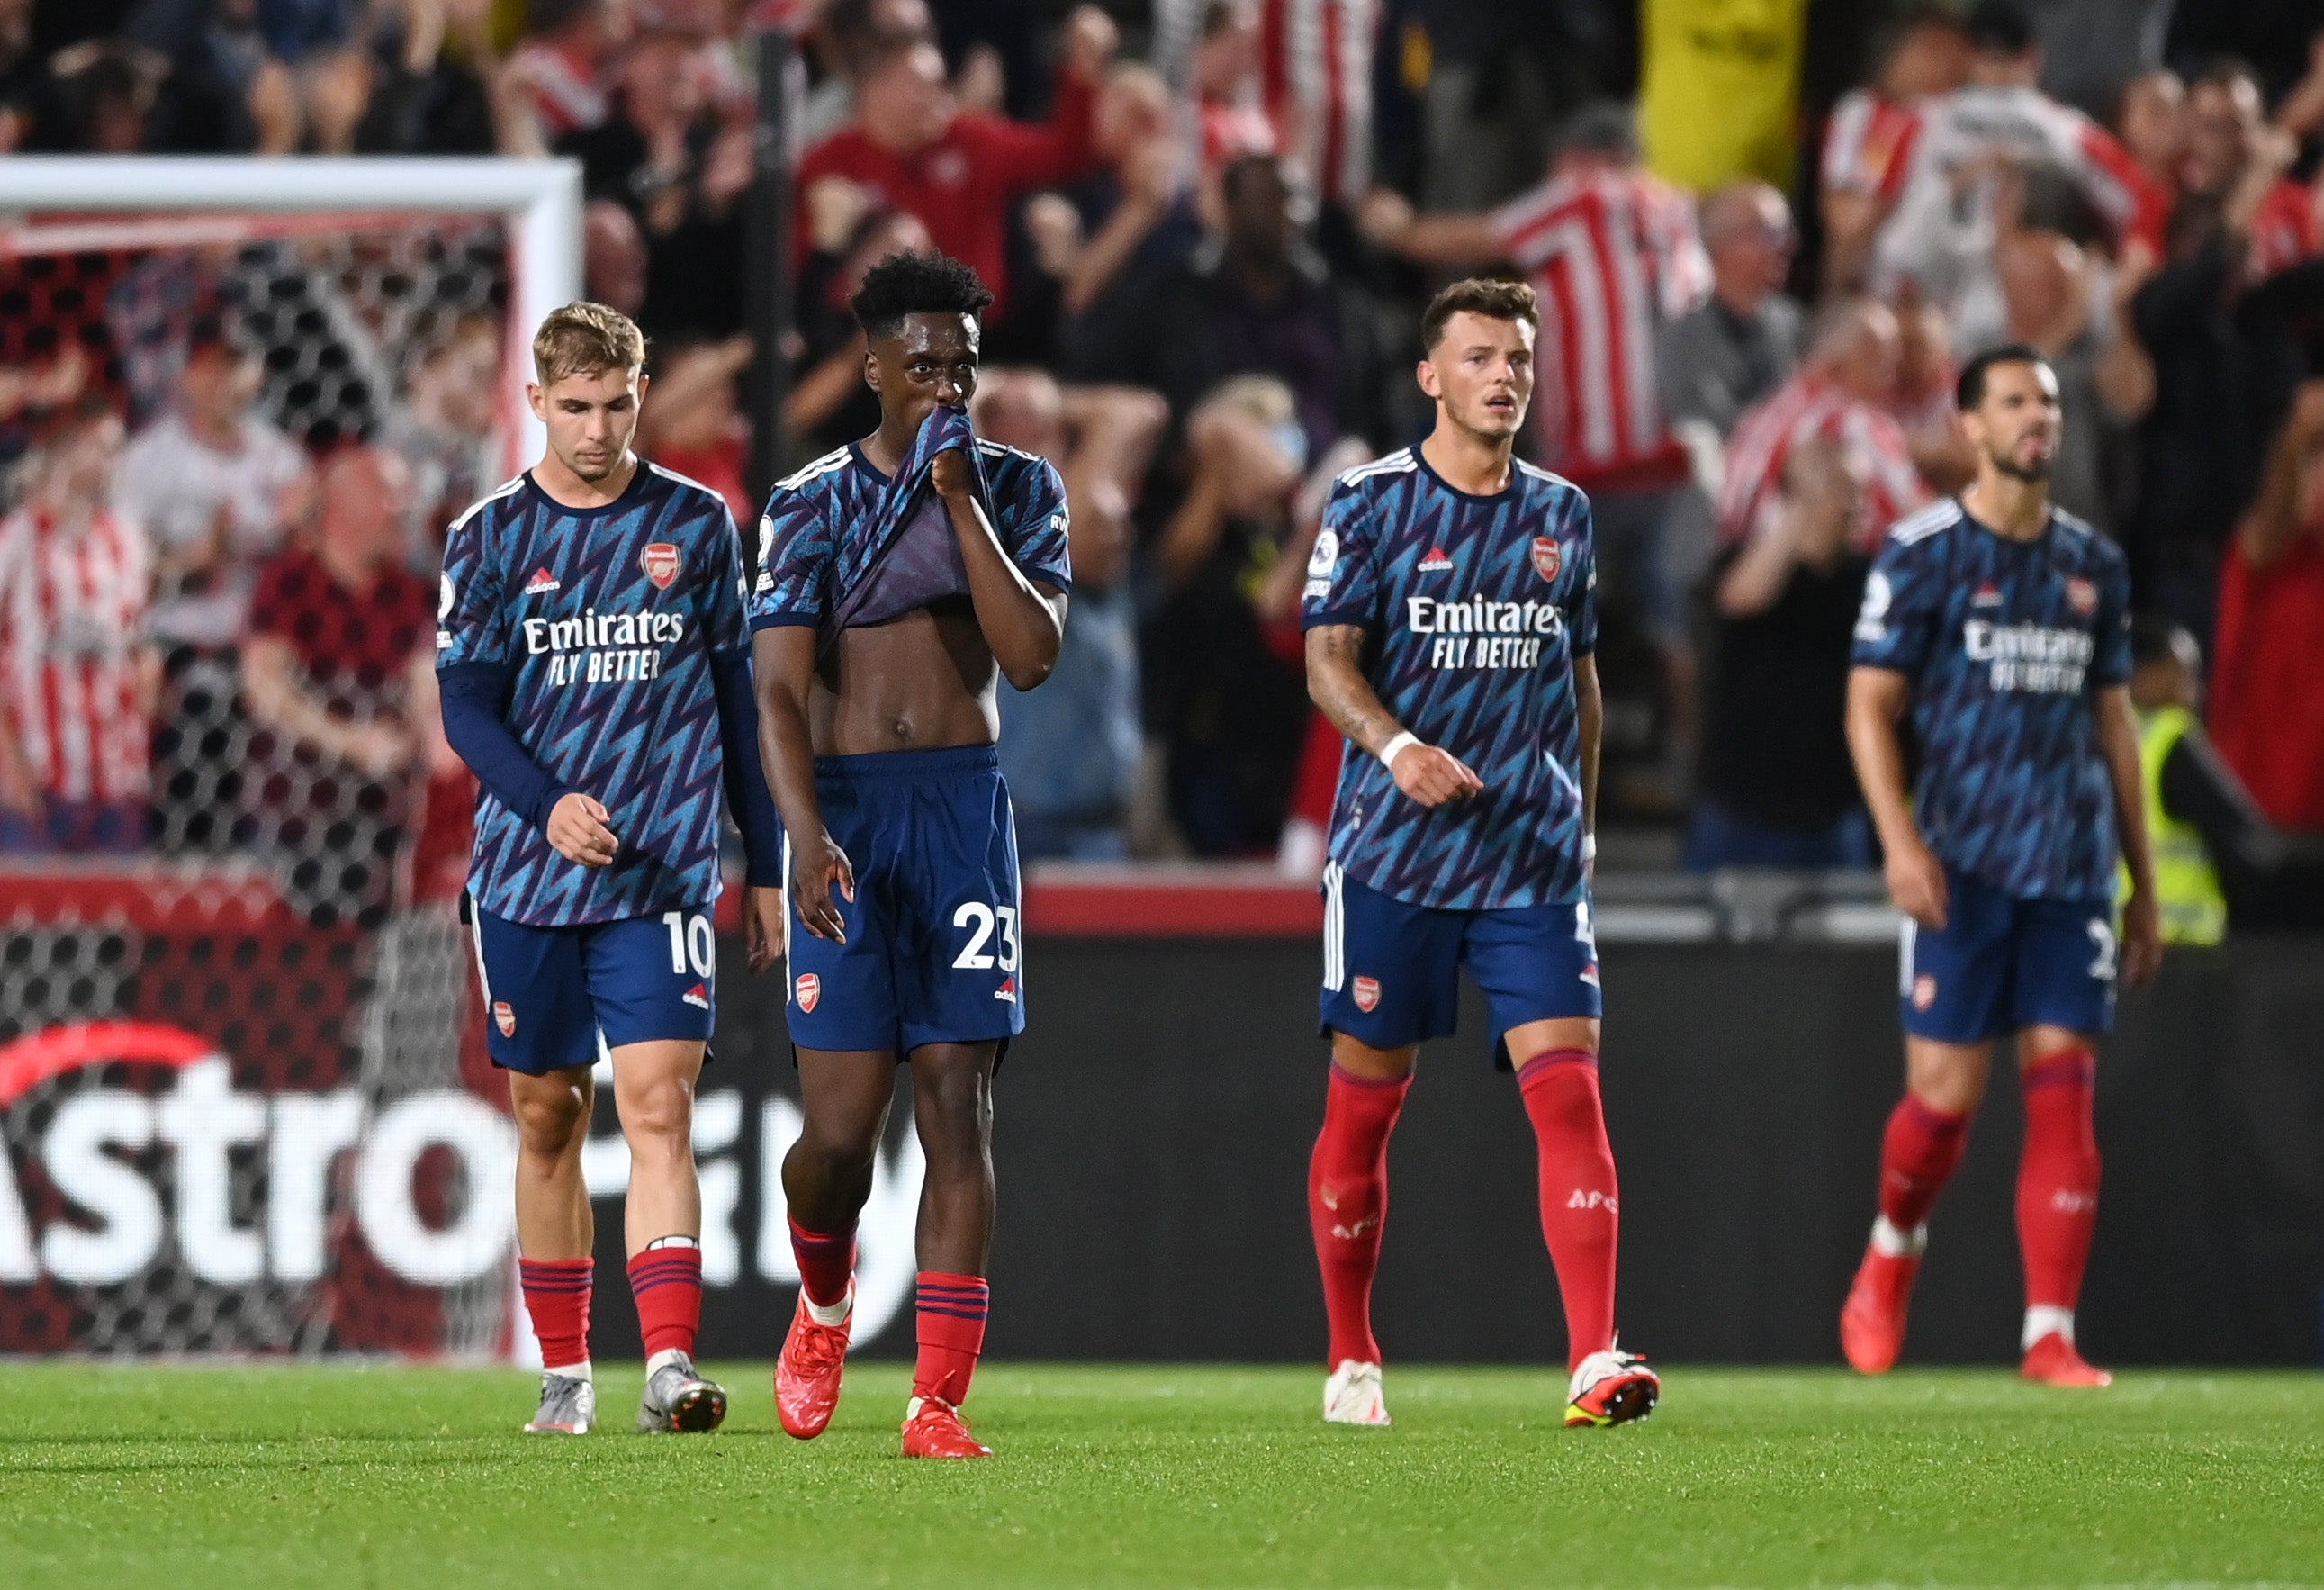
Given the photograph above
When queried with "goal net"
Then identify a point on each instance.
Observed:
(242, 1098)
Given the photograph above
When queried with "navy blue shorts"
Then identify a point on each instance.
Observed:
(562, 996)
(2001, 965)
(933, 951)
(1392, 971)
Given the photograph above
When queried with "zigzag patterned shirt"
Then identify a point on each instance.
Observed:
(1475, 609)
(606, 619)
(2006, 643)
(839, 527)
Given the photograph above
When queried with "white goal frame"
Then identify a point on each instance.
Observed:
(540, 202)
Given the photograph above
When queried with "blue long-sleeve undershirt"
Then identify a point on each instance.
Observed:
(475, 697)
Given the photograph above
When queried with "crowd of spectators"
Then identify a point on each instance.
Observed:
(1762, 249)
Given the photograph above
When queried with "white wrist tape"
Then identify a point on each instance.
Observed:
(1590, 847)
(1388, 752)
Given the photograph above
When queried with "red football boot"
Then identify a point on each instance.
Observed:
(807, 1375)
(933, 1429)
(2053, 1361)
(1872, 1320)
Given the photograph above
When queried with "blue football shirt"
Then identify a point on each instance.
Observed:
(1475, 607)
(838, 527)
(606, 619)
(2007, 644)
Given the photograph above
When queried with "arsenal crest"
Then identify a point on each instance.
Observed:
(1546, 556)
(2082, 595)
(810, 989)
(504, 1018)
(659, 560)
(1367, 992)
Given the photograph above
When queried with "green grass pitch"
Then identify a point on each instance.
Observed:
(117, 1478)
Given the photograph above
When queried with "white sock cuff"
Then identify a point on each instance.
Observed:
(667, 1355)
(830, 1314)
(2044, 1319)
(572, 1371)
(1891, 1243)
(672, 1242)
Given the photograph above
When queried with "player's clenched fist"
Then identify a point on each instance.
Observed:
(1917, 882)
(576, 828)
(1433, 777)
(817, 867)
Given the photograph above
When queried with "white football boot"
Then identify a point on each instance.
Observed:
(1353, 1395)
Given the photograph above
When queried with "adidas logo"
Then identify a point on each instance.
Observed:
(697, 996)
(540, 582)
(1436, 562)
(1008, 990)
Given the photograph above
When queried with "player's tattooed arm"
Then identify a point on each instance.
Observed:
(1337, 685)
(1877, 699)
(782, 661)
(1023, 622)
(2142, 918)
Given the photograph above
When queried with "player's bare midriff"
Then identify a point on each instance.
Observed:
(923, 681)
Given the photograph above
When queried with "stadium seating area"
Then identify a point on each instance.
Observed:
(1210, 223)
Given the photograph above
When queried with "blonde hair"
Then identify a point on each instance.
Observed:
(582, 338)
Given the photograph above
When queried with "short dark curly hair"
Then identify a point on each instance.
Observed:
(916, 284)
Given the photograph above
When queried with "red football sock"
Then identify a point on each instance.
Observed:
(2058, 1177)
(1580, 1214)
(1918, 1154)
(951, 1334)
(825, 1262)
(1347, 1205)
(668, 1284)
(557, 1295)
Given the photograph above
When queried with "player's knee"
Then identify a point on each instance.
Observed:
(954, 1110)
(550, 1120)
(657, 1117)
(833, 1152)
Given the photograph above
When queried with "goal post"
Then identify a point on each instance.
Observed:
(244, 1106)
(538, 201)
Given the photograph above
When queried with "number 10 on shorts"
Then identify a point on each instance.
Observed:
(690, 941)
(978, 920)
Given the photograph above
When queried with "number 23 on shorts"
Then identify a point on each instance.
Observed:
(979, 920)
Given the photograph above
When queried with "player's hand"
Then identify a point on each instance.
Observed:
(1091, 41)
(576, 828)
(951, 475)
(378, 748)
(2142, 938)
(816, 867)
(1917, 882)
(763, 926)
(1384, 217)
(1434, 777)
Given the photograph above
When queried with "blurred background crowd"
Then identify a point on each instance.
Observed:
(1765, 235)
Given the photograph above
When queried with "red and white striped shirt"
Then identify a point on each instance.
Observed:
(1807, 409)
(1315, 68)
(1615, 257)
(1315, 82)
(1956, 128)
(72, 618)
(566, 95)
(1867, 145)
